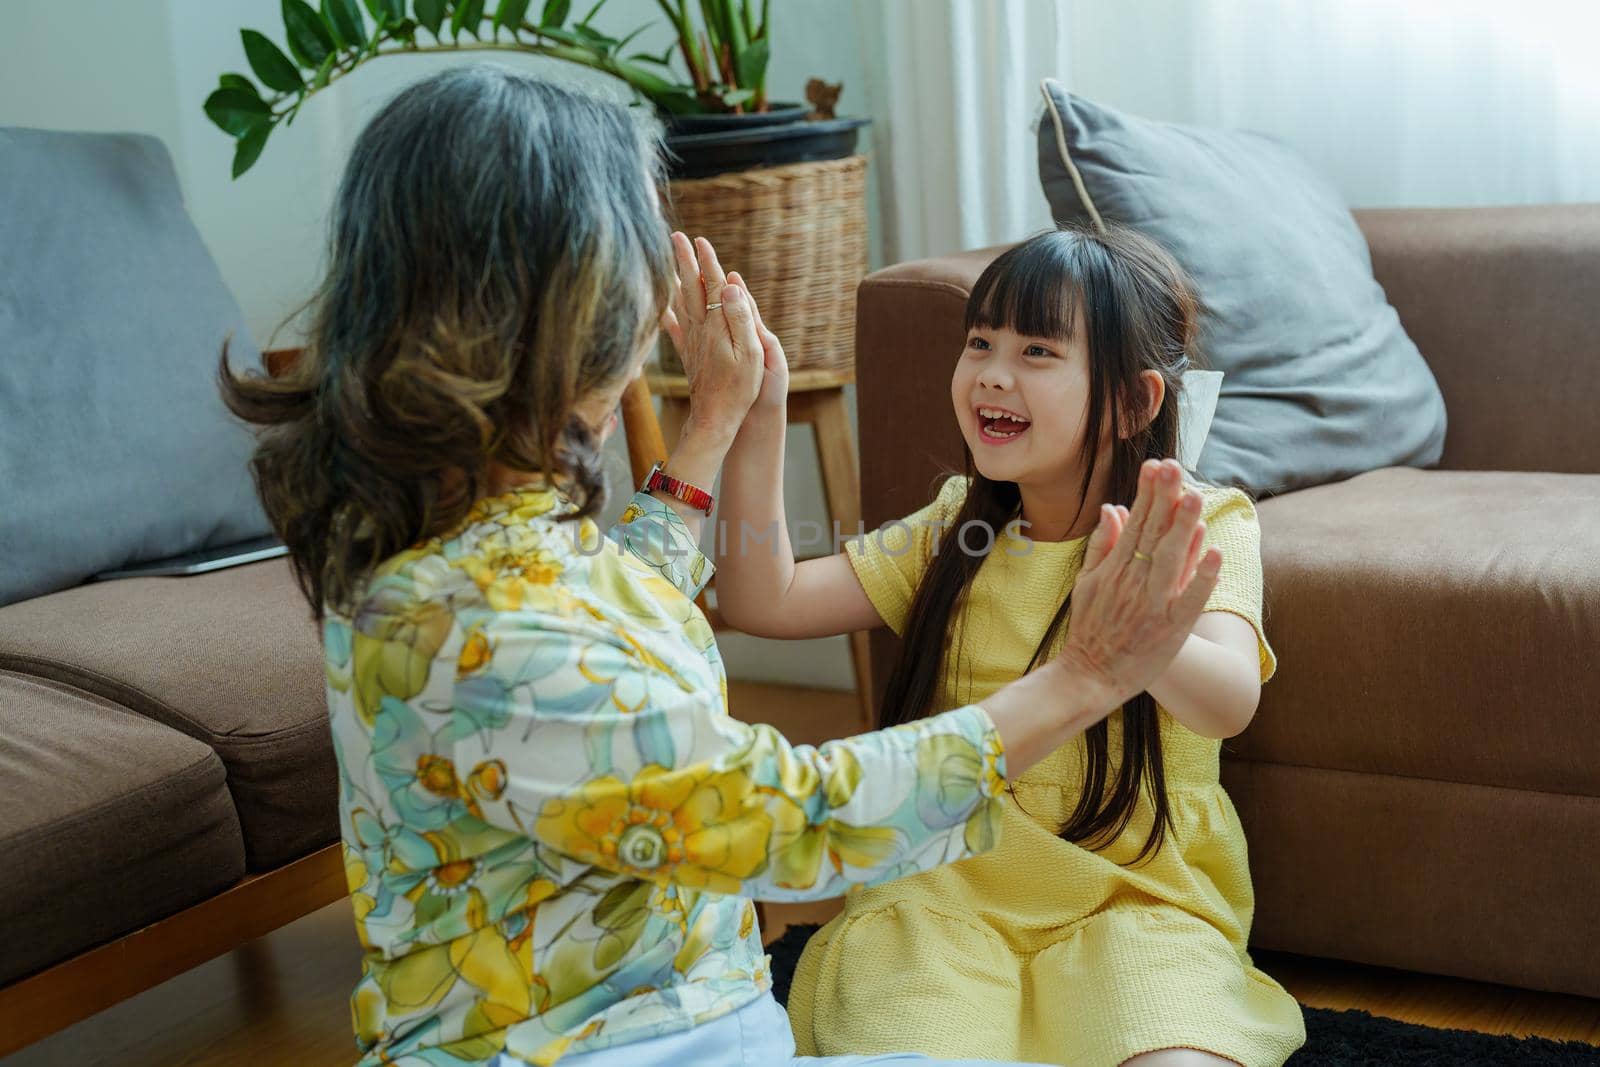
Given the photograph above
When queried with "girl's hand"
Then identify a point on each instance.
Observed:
(722, 353)
(774, 395)
(1143, 585)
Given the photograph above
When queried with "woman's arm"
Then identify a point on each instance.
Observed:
(1213, 684)
(609, 759)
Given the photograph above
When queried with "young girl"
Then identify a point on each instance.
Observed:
(1109, 925)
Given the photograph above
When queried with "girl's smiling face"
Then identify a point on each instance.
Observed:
(1022, 403)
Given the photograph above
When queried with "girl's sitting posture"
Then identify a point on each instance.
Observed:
(1110, 922)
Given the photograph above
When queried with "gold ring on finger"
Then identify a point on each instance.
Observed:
(1140, 556)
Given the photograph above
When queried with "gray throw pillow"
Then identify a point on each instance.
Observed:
(1320, 381)
(115, 447)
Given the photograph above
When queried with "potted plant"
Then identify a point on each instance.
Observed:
(709, 86)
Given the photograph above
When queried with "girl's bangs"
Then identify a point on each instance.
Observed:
(1032, 290)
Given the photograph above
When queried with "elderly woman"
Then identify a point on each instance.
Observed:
(553, 829)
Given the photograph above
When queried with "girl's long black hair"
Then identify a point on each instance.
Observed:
(1139, 312)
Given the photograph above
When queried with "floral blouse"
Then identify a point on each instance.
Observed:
(551, 826)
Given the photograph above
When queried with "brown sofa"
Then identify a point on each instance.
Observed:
(1421, 786)
(170, 787)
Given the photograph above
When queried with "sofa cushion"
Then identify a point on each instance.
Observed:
(109, 822)
(1435, 624)
(1322, 382)
(230, 658)
(114, 444)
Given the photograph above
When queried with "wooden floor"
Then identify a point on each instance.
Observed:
(282, 1000)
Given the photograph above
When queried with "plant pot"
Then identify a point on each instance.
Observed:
(705, 155)
(775, 115)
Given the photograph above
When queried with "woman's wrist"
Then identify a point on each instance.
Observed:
(708, 434)
(699, 455)
(1044, 709)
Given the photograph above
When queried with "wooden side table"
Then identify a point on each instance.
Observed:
(816, 397)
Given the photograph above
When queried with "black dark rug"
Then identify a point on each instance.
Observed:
(1337, 1038)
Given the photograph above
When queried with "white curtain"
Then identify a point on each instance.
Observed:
(1421, 102)
(1397, 102)
(953, 87)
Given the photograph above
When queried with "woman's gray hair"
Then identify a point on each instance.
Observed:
(497, 253)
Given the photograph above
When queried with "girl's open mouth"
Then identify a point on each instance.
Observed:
(996, 426)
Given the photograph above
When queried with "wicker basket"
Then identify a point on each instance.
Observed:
(798, 235)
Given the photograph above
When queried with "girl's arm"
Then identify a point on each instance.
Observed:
(1213, 684)
(761, 589)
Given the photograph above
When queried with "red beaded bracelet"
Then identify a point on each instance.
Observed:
(660, 481)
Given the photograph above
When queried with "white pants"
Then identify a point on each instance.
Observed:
(757, 1035)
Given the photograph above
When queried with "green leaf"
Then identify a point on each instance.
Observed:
(431, 14)
(249, 148)
(555, 33)
(669, 96)
(468, 16)
(236, 111)
(640, 57)
(404, 30)
(321, 80)
(309, 39)
(238, 81)
(629, 39)
(716, 16)
(276, 70)
(555, 13)
(593, 11)
(510, 14)
(750, 65)
(345, 19)
(596, 40)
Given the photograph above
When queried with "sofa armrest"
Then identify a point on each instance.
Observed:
(1505, 305)
(908, 338)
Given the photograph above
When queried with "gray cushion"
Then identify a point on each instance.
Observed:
(108, 822)
(230, 658)
(114, 444)
(1321, 381)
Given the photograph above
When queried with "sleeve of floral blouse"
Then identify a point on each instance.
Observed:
(618, 763)
(654, 535)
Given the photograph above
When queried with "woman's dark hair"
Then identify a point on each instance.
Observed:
(1138, 312)
(497, 253)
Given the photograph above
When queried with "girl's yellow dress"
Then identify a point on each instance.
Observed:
(1042, 950)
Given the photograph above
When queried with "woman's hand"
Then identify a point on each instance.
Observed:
(722, 352)
(1143, 585)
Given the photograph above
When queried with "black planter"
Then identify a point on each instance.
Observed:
(740, 145)
(775, 115)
